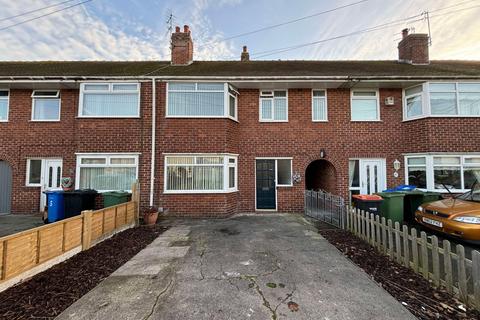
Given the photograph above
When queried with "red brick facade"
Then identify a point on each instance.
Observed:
(299, 138)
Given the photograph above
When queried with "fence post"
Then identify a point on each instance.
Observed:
(424, 253)
(87, 229)
(435, 262)
(414, 249)
(136, 201)
(390, 239)
(382, 228)
(447, 265)
(406, 247)
(462, 276)
(476, 277)
(398, 245)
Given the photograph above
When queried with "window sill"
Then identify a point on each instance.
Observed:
(366, 120)
(273, 121)
(320, 121)
(284, 185)
(33, 185)
(32, 120)
(197, 192)
(108, 117)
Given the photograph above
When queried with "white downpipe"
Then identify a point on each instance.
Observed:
(152, 160)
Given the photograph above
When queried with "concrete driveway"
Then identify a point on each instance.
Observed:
(246, 267)
(13, 223)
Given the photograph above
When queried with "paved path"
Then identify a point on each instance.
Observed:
(246, 267)
(13, 223)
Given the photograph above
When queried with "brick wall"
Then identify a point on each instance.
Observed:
(21, 138)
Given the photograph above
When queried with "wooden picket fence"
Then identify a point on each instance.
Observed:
(29, 252)
(436, 262)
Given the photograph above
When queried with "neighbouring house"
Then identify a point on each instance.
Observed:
(212, 138)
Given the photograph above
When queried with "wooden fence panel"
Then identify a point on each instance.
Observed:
(121, 215)
(97, 225)
(50, 243)
(73, 234)
(109, 221)
(20, 255)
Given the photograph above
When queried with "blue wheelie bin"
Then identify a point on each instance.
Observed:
(55, 205)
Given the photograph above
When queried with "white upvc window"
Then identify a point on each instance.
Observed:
(4, 105)
(365, 105)
(46, 105)
(284, 172)
(106, 172)
(442, 99)
(206, 173)
(274, 106)
(319, 106)
(201, 100)
(34, 172)
(109, 100)
(434, 172)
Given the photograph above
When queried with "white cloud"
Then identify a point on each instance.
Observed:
(78, 34)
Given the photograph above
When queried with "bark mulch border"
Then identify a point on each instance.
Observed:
(412, 290)
(47, 294)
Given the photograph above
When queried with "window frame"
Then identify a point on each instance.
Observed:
(8, 104)
(430, 168)
(110, 91)
(377, 98)
(108, 157)
(326, 105)
(426, 105)
(226, 100)
(276, 169)
(225, 165)
(27, 171)
(272, 98)
(56, 97)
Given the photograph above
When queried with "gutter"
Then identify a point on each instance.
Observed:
(152, 159)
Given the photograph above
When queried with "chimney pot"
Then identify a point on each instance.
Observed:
(245, 56)
(186, 29)
(177, 29)
(404, 33)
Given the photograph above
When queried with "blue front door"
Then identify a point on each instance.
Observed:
(266, 193)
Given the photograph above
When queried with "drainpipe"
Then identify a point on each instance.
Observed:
(152, 160)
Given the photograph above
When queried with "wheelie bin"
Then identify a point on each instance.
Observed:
(55, 206)
(392, 206)
(79, 200)
(368, 203)
(115, 197)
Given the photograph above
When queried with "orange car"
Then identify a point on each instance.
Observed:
(458, 217)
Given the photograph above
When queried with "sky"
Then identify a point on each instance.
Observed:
(138, 29)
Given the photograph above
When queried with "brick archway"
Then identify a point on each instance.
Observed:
(321, 174)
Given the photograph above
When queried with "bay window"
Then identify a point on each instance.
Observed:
(4, 105)
(45, 105)
(109, 100)
(319, 105)
(442, 99)
(200, 173)
(274, 106)
(365, 105)
(106, 172)
(438, 172)
(201, 100)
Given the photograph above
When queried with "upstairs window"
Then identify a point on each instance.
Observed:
(274, 106)
(109, 100)
(442, 99)
(4, 94)
(201, 100)
(319, 105)
(45, 105)
(364, 105)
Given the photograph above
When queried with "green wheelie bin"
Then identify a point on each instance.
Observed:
(115, 197)
(392, 205)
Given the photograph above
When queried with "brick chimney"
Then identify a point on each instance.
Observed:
(245, 56)
(413, 48)
(182, 46)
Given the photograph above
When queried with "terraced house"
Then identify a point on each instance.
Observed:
(212, 138)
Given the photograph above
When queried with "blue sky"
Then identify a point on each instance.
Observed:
(137, 29)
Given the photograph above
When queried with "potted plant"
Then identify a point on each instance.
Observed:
(150, 216)
(67, 184)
